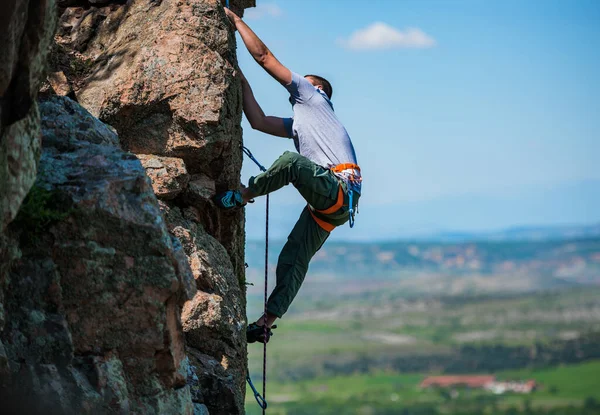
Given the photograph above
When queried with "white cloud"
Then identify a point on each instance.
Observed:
(382, 36)
(263, 10)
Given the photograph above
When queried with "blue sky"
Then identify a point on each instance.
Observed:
(465, 115)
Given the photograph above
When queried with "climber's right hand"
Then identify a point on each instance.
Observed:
(231, 16)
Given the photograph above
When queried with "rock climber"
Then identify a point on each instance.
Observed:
(324, 171)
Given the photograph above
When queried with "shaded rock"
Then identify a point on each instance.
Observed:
(213, 386)
(168, 174)
(65, 123)
(200, 409)
(26, 29)
(93, 317)
(198, 195)
(214, 320)
(183, 268)
(201, 189)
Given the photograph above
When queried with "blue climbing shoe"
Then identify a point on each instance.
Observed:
(229, 199)
(256, 333)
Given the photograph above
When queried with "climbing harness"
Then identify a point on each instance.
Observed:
(353, 178)
(261, 400)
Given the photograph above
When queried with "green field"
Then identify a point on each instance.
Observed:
(560, 388)
(378, 331)
(362, 334)
(367, 353)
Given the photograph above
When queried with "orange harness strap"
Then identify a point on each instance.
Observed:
(338, 204)
(324, 225)
(345, 166)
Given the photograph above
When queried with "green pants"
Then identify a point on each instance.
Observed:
(319, 187)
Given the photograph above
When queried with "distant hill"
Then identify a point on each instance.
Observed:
(571, 203)
(511, 261)
(523, 233)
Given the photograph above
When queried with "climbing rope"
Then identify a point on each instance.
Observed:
(262, 402)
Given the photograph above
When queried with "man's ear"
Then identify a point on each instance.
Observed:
(319, 86)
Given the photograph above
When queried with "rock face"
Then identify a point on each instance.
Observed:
(114, 301)
(26, 28)
(163, 75)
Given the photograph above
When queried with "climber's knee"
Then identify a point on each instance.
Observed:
(287, 160)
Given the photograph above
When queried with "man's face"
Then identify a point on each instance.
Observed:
(313, 82)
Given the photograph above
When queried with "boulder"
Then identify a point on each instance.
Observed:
(168, 174)
(171, 92)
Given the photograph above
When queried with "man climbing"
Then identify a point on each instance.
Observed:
(325, 172)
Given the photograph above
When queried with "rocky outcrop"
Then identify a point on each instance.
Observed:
(114, 300)
(163, 74)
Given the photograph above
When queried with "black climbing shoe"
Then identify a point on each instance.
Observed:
(229, 199)
(256, 333)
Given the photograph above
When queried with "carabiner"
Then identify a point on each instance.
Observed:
(351, 209)
(259, 399)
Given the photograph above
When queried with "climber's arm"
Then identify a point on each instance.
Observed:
(256, 117)
(259, 51)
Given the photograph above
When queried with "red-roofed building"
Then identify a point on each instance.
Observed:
(475, 382)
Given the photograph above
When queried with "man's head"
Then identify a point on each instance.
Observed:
(321, 83)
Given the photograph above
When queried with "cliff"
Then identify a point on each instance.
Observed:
(121, 285)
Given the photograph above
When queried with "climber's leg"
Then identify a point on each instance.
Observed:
(317, 185)
(304, 241)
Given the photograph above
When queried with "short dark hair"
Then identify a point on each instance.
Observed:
(324, 83)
